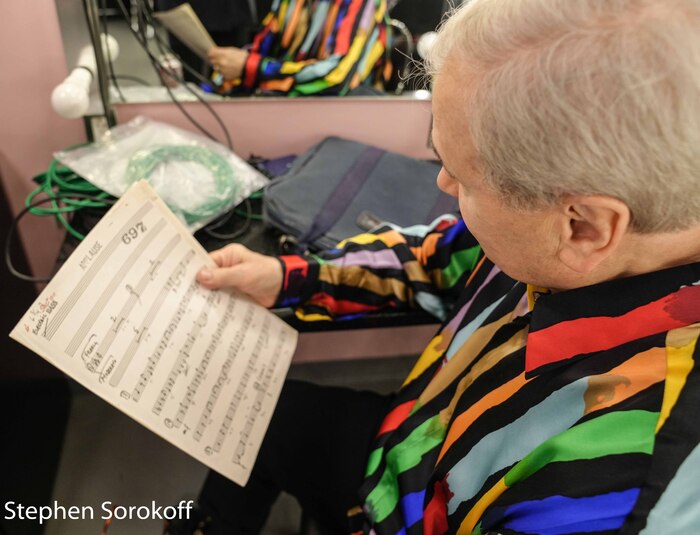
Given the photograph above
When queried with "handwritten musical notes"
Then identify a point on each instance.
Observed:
(125, 318)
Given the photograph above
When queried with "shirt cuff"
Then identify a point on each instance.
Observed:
(299, 278)
(249, 78)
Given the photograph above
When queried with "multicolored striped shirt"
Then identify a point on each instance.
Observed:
(320, 47)
(529, 412)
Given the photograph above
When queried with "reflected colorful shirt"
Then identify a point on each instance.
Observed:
(320, 47)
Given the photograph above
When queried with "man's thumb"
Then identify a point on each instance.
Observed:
(215, 278)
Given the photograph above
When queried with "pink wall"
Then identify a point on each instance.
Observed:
(272, 127)
(32, 62)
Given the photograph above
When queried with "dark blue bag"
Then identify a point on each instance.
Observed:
(339, 188)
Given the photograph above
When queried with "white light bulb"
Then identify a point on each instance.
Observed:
(71, 98)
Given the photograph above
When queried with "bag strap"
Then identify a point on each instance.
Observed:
(346, 190)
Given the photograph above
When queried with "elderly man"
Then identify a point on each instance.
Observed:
(561, 393)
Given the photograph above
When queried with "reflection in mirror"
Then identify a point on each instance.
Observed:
(152, 64)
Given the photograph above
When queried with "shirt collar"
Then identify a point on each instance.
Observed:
(534, 293)
(574, 323)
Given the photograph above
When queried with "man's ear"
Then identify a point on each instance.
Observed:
(592, 227)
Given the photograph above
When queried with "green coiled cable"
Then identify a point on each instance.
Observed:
(145, 161)
(58, 183)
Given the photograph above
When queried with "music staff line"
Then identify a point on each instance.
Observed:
(240, 390)
(262, 388)
(163, 343)
(93, 271)
(173, 281)
(201, 369)
(184, 354)
(223, 377)
(124, 313)
(106, 294)
(180, 363)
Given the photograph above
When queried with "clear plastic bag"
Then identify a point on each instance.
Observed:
(198, 178)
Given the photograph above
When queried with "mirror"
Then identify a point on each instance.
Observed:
(135, 77)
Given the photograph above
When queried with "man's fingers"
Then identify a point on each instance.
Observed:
(231, 263)
(229, 256)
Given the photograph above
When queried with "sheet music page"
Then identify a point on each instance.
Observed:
(184, 23)
(126, 319)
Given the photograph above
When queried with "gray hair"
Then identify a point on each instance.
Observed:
(584, 97)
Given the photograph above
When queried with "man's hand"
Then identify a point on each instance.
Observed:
(229, 61)
(252, 273)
